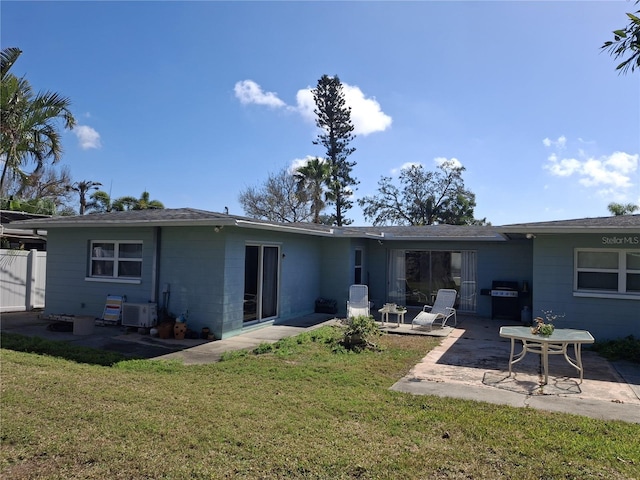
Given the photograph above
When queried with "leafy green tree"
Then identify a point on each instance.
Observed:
(423, 198)
(49, 183)
(29, 122)
(333, 118)
(41, 206)
(314, 178)
(626, 41)
(99, 202)
(618, 209)
(279, 199)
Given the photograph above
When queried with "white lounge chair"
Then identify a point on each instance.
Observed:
(441, 310)
(358, 303)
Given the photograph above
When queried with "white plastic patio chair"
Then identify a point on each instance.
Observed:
(441, 310)
(358, 303)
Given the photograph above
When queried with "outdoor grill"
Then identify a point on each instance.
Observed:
(505, 300)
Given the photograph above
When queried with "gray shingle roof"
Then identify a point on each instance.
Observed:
(580, 225)
(195, 217)
(133, 216)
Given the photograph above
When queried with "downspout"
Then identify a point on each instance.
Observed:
(155, 265)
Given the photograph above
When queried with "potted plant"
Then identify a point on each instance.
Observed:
(540, 327)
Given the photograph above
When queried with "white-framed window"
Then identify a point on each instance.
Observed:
(604, 271)
(120, 260)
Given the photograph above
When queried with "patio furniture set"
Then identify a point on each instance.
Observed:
(443, 309)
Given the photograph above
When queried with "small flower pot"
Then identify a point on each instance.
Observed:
(179, 330)
(165, 330)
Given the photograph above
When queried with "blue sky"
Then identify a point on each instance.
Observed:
(196, 101)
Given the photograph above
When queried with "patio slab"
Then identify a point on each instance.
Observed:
(472, 363)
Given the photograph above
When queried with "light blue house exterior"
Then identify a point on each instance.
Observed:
(589, 271)
(231, 273)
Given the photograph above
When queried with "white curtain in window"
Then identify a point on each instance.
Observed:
(468, 285)
(397, 277)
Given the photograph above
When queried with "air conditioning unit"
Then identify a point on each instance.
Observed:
(139, 314)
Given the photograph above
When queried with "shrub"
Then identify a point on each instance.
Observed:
(359, 333)
(233, 354)
(627, 348)
(263, 348)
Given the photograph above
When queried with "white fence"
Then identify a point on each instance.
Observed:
(22, 280)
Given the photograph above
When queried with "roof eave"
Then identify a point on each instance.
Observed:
(284, 228)
(127, 223)
(433, 238)
(558, 229)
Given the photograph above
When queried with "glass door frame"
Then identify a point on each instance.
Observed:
(399, 290)
(259, 296)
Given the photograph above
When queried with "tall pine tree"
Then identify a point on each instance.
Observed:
(334, 121)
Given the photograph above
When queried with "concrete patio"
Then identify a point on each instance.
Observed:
(472, 363)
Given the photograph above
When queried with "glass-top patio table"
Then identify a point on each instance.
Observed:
(546, 345)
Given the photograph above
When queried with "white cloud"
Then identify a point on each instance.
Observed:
(366, 113)
(87, 137)
(405, 166)
(560, 143)
(408, 165)
(305, 104)
(248, 92)
(623, 162)
(611, 174)
(563, 168)
(301, 162)
(439, 161)
(454, 161)
(596, 172)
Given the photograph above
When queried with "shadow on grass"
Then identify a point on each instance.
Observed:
(74, 353)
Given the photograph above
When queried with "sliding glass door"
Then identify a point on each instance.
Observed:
(261, 280)
(415, 276)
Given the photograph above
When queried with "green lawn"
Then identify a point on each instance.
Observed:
(299, 410)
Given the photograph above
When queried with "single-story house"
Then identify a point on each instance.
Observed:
(229, 273)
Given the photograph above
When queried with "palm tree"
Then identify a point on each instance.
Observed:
(144, 202)
(28, 124)
(133, 203)
(123, 204)
(8, 57)
(620, 209)
(313, 178)
(82, 188)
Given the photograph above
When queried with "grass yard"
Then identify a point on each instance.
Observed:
(296, 410)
